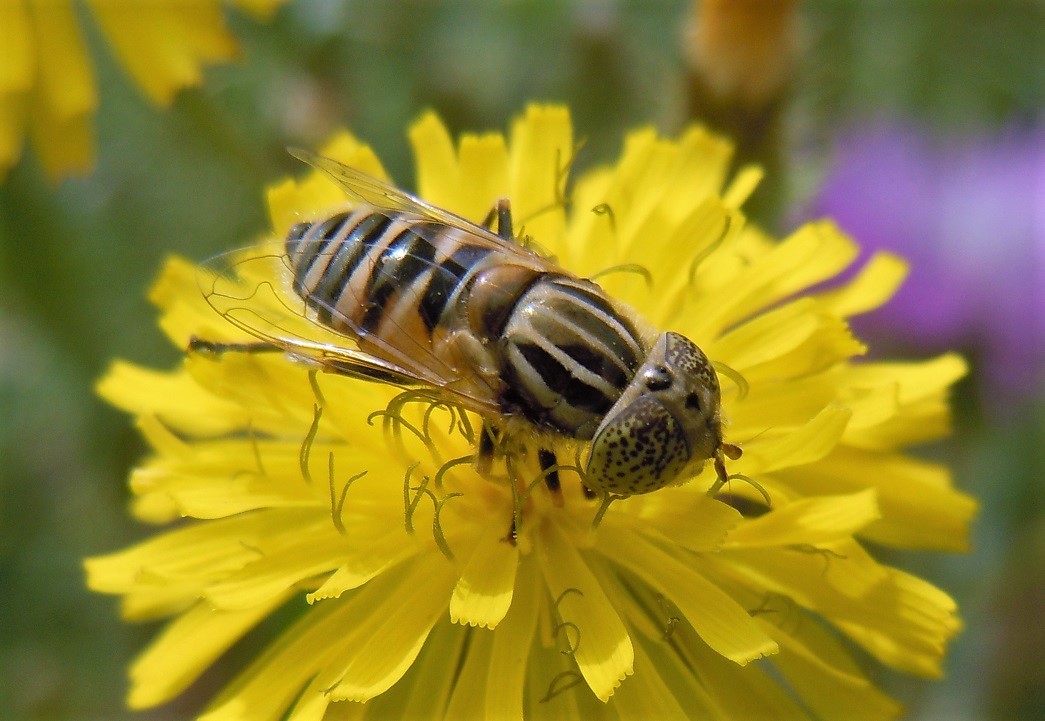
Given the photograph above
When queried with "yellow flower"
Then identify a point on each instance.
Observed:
(390, 547)
(47, 85)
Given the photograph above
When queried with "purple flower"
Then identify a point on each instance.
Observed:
(968, 212)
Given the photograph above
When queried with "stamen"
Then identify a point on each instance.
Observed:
(464, 425)
(544, 473)
(627, 268)
(428, 415)
(564, 624)
(256, 449)
(409, 506)
(437, 529)
(826, 553)
(738, 380)
(605, 209)
(706, 253)
(313, 381)
(724, 478)
(571, 647)
(554, 689)
(306, 446)
(672, 621)
(462, 461)
(336, 507)
(603, 507)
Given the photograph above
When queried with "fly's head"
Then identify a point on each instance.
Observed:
(665, 425)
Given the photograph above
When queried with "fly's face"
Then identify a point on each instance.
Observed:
(665, 424)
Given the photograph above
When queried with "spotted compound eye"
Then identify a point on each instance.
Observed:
(658, 379)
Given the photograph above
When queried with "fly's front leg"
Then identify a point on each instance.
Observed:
(200, 345)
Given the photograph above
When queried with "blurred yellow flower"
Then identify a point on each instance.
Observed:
(47, 84)
(378, 533)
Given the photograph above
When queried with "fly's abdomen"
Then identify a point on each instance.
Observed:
(387, 279)
(569, 354)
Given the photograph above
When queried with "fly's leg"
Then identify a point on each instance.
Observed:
(200, 345)
(551, 477)
(549, 470)
(484, 454)
(502, 211)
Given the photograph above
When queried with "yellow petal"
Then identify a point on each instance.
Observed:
(541, 148)
(223, 478)
(64, 145)
(786, 342)
(776, 405)
(903, 621)
(263, 691)
(364, 562)
(736, 692)
(811, 661)
(158, 601)
(64, 98)
(438, 175)
(645, 695)
(294, 201)
(65, 83)
(811, 254)
(742, 185)
(690, 519)
(469, 695)
(875, 284)
(164, 45)
(384, 643)
(194, 554)
(807, 521)
(13, 110)
(173, 397)
(483, 594)
(261, 9)
(506, 671)
(18, 63)
(797, 447)
(908, 403)
(430, 685)
(303, 556)
(603, 652)
(179, 293)
(723, 624)
(187, 647)
(919, 506)
(483, 162)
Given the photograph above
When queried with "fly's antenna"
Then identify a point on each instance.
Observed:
(733, 452)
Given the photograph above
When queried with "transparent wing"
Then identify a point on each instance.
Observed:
(379, 194)
(252, 290)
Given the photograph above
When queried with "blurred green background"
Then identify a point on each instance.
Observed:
(947, 81)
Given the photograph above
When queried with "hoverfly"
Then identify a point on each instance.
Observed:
(418, 296)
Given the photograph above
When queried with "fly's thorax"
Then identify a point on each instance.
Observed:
(493, 295)
(568, 354)
(666, 423)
